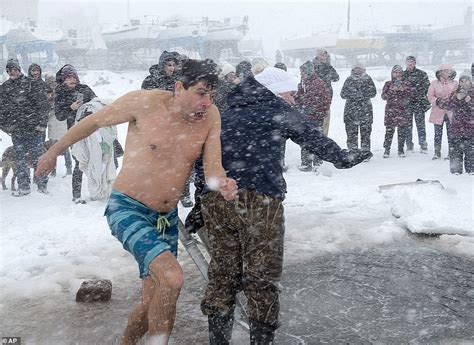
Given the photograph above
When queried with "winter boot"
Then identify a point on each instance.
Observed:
(401, 154)
(424, 148)
(410, 147)
(386, 154)
(261, 334)
(437, 155)
(21, 192)
(220, 328)
(43, 190)
(305, 168)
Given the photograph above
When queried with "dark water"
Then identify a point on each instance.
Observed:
(400, 293)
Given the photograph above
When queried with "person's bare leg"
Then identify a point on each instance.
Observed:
(168, 278)
(137, 324)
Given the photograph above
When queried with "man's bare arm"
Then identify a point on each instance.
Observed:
(120, 111)
(212, 160)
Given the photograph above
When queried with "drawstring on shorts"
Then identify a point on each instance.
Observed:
(162, 223)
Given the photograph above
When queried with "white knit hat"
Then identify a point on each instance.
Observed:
(226, 69)
(277, 80)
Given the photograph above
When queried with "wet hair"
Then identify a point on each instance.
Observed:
(195, 71)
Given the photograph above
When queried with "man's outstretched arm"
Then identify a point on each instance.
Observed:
(215, 174)
(113, 114)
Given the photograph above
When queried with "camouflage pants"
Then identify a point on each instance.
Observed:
(246, 239)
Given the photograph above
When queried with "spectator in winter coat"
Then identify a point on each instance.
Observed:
(259, 118)
(397, 92)
(419, 104)
(357, 90)
(24, 115)
(34, 72)
(56, 129)
(461, 103)
(324, 70)
(440, 90)
(227, 81)
(313, 101)
(162, 75)
(70, 95)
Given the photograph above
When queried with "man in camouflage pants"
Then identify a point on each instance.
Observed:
(246, 235)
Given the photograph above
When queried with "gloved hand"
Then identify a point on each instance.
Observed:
(441, 102)
(350, 158)
(40, 128)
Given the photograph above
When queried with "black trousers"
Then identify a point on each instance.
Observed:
(352, 131)
(307, 158)
(438, 137)
(76, 180)
(420, 128)
(461, 151)
(402, 135)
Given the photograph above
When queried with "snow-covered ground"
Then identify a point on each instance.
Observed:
(49, 244)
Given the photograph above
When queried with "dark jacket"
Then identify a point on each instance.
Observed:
(63, 99)
(158, 78)
(462, 125)
(314, 97)
(24, 105)
(326, 72)
(419, 83)
(397, 109)
(357, 91)
(253, 130)
(224, 87)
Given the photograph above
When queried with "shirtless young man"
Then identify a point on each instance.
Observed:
(166, 133)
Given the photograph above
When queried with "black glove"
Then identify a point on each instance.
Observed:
(440, 102)
(352, 157)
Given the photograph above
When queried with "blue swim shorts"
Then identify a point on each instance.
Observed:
(143, 232)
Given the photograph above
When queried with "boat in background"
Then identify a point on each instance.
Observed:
(140, 32)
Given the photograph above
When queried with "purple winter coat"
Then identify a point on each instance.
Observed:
(397, 109)
(462, 125)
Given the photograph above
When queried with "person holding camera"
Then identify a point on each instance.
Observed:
(70, 95)
(397, 92)
(461, 147)
(438, 92)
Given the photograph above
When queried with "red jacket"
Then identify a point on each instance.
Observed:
(397, 109)
(314, 97)
(462, 125)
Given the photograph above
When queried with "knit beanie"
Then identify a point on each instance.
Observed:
(226, 69)
(69, 71)
(277, 80)
(13, 64)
